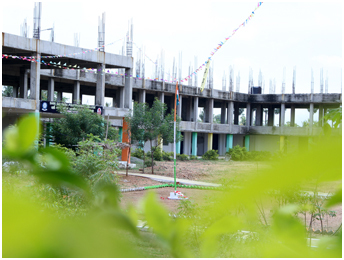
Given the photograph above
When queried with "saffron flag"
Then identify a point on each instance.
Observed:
(205, 75)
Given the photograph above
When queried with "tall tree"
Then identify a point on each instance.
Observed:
(152, 124)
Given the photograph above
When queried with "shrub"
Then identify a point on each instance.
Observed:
(167, 156)
(182, 157)
(157, 154)
(211, 155)
(241, 154)
(193, 157)
(138, 153)
(148, 163)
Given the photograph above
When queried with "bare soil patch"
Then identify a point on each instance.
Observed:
(208, 171)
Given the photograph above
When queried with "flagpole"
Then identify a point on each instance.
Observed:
(174, 138)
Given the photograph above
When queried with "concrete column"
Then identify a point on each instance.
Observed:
(120, 133)
(179, 107)
(282, 115)
(76, 92)
(223, 112)
(23, 83)
(178, 144)
(51, 89)
(247, 142)
(259, 115)
(230, 113)
(222, 144)
(120, 98)
(142, 96)
(271, 115)
(292, 115)
(210, 142)
(248, 114)
(187, 143)
(194, 144)
(59, 97)
(195, 110)
(229, 142)
(311, 113)
(189, 114)
(161, 97)
(321, 115)
(209, 110)
(35, 76)
(100, 85)
(128, 89)
(15, 91)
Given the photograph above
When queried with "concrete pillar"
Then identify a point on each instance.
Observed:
(222, 144)
(15, 91)
(194, 144)
(187, 143)
(23, 83)
(223, 112)
(230, 113)
(120, 133)
(210, 142)
(311, 113)
(128, 89)
(321, 116)
(195, 110)
(59, 97)
(282, 115)
(120, 98)
(161, 97)
(292, 115)
(271, 115)
(100, 85)
(247, 142)
(248, 114)
(189, 114)
(208, 110)
(51, 89)
(35, 76)
(178, 143)
(125, 139)
(142, 96)
(179, 107)
(229, 142)
(76, 92)
(259, 115)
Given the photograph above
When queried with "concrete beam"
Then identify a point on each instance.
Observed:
(128, 90)
(51, 89)
(100, 86)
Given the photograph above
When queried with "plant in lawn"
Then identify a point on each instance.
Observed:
(210, 155)
(152, 124)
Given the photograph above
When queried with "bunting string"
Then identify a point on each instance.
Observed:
(62, 65)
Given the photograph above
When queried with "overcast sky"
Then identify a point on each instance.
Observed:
(307, 35)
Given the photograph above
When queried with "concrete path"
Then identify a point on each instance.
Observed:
(171, 179)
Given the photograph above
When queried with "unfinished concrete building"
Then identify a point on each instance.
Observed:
(33, 65)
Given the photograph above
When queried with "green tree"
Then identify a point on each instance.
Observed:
(242, 120)
(7, 91)
(334, 115)
(74, 127)
(152, 124)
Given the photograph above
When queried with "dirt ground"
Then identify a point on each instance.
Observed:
(207, 171)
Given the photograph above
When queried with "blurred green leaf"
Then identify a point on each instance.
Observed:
(335, 199)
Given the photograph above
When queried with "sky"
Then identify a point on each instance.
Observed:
(280, 36)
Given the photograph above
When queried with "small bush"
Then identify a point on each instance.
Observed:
(138, 153)
(148, 163)
(182, 157)
(157, 154)
(193, 157)
(241, 154)
(211, 155)
(167, 156)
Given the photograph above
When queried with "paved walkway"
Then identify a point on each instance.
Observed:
(171, 179)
